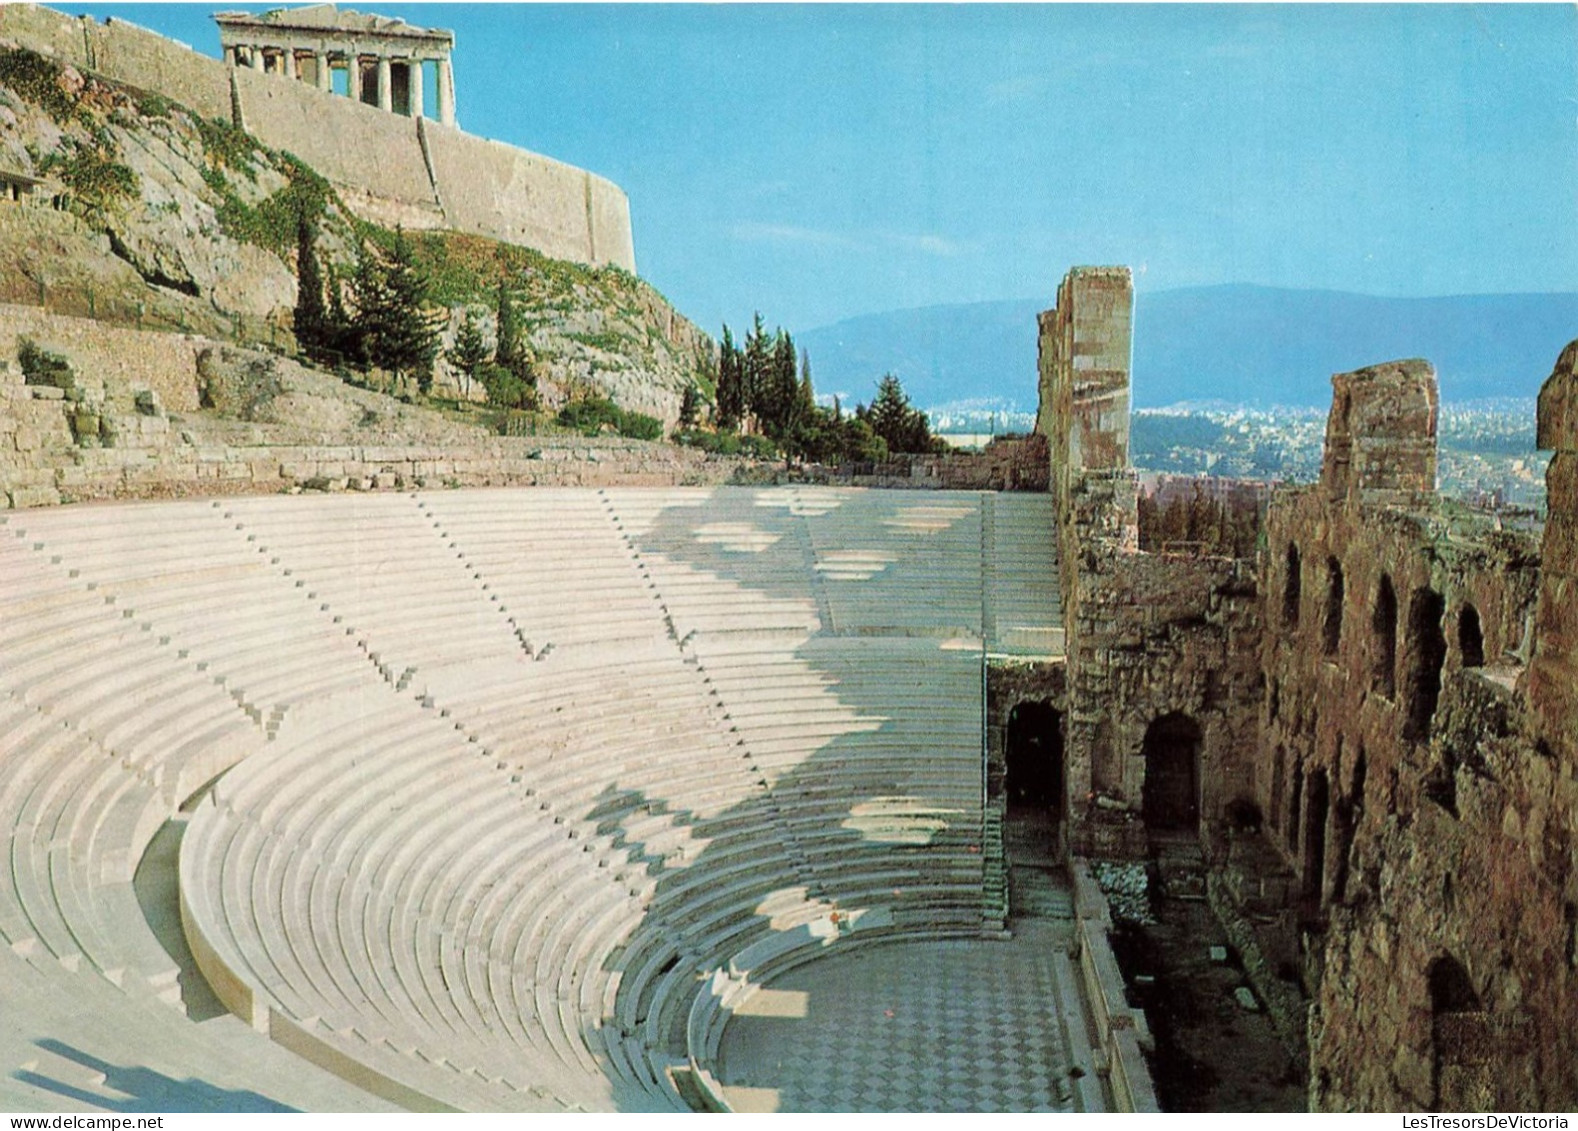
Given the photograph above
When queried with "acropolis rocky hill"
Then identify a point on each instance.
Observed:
(148, 236)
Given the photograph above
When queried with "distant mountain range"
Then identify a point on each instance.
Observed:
(1237, 344)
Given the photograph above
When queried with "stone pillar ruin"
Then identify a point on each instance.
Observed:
(361, 39)
(1381, 433)
(1084, 360)
(1553, 670)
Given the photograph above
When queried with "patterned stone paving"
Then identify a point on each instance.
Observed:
(965, 1026)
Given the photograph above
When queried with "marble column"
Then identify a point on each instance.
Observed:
(290, 62)
(320, 64)
(446, 93)
(414, 87)
(256, 61)
(385, 86)
(353, 68)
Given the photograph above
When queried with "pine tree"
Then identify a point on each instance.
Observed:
(409, 335)
(469, 354)
(902, 427)
(370, 296)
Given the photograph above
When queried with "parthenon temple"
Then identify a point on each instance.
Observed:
(382, 59)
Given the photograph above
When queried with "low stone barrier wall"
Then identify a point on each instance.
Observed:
(181, 470)
(1122, 1032)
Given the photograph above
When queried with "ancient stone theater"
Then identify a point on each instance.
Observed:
(546, 774)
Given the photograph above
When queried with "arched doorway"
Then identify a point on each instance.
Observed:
(1462, 1059)
(1171, 795)
(1035, 760)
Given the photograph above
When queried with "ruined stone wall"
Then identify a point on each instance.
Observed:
(111, 356)
(1553, 676)
(1085, 351)
(1016, 463)
(1429, 835)
(128, 426)
(1148, 636)
(376, 159)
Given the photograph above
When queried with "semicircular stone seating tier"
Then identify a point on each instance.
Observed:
(507, 775)
(116, 704)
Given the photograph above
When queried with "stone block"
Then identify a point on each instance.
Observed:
(33, 497)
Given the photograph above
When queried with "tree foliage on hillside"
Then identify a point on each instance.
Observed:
(901, 426)
(393, 327)
(765, 387)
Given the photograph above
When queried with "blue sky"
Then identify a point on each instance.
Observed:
(817, 162)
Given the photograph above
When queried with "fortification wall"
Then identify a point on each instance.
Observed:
(348, 142)
(374, 158)
(497, 190)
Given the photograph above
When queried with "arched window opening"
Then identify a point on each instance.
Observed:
(1470, 638)
(1315, 816)
(1384, 624)
(1331, 628)
(1427, 654)
(1171, 793)
(1344, 824)
(1292, 588)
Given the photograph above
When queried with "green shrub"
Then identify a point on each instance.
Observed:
(640, 426)
(727, 443)
(92, 173)
(230, 146)
(274, 223)
(37, 80)
(589, 415)
(151, 105)
(41, 367)
(605, 340)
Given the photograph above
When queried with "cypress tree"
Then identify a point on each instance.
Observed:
(731, 384)
(309, 320)
(512, 355)
(756, 372)
(689, 407)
